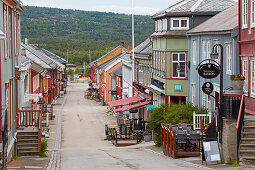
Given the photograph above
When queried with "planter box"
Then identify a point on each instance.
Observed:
(237, 84)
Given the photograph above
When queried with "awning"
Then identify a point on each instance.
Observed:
(125, 101)
(130, 107)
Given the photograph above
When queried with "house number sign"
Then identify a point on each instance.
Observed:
(207, 88)
(208, 70)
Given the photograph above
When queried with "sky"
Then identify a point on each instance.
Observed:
(141, 7)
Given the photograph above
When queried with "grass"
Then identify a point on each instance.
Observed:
(44, 146)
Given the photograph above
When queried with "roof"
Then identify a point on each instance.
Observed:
(100, 58)
(124, 101)
(30, 55)
(107, 63)
(54, 56)
(117, 71)
(144, 49)
(137, 105)
(34, 54)
(222, 22)
(196, 7)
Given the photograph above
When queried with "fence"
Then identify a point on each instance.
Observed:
(206, 118)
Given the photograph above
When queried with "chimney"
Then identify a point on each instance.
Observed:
(26, 41)
(122, 43)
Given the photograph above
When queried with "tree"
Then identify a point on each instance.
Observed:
(77, 70)
(87, 71)
(69, 72)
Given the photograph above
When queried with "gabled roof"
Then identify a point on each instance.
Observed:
(144, 49)
(225, 21)
(100, 58)
(33, 53)
(190, 7)
(117, 71)
(54, 56)
(107, 63)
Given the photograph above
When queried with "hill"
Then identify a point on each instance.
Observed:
(76, 32)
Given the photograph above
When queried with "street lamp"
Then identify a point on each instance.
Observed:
(215, 55)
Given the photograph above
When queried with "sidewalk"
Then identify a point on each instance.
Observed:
(36, 162)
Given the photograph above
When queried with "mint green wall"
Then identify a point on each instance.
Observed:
(170, 87)
(177, 44)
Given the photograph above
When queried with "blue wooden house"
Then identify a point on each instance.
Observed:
(9, 52)
(222, 29)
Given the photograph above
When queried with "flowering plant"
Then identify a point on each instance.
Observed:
(237, 77)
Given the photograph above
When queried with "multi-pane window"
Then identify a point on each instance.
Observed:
(217, 49)
(229, 58)
(179, 65)
(160, 25)
(194, 52)
(193, 94)
(164, 25)
(245, 74)
(252, 13)
(208, 49)
(253, 77)
(10, 31)
(206, 102)
(5, 32)
(245, 13)
(156, 26)
(204, 50)
(179, 23)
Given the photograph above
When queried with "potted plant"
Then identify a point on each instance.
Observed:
(146, 136)
(237, 82)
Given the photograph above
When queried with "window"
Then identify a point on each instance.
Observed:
(179, 23)
(208, 49)
(206, 102)
(245, 13)
(160, 26)
(179, 65)
(245, 74)
(193, 94)
(164, 24)
(194, 52)
(217, 49)
(253, 13)
(5, 32)
(229, 58)
(253, 77)
(156, 26)
(10, 31)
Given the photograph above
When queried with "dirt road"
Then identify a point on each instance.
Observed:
(84, 148)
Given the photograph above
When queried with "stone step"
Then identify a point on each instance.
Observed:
(247, 146)
(247, 140)
(28, 148)
(27, 137)
(28, 152)
(247, 153)
(32, 144)
(248, 134)
(249, 122)
(249, 128)
(27, 133)
(28, 140)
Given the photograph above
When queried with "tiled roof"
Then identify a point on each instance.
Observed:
(196, 6)
(222, 22)
(144, 49)
(54, 56)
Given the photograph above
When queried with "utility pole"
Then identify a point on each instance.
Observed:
(89, 57)
(133, 43)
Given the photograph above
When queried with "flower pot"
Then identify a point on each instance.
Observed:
(237, 84)
(147, 138)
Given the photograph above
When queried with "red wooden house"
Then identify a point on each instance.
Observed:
(247, 51)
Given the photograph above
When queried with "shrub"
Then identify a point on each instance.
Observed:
(172, 114)
(237, 77)
(44, 146)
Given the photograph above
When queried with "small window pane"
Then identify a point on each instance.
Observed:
(182, 57)
(175, 73)
(175, 57)
(183, 23)
(175, 23)
(182, 67)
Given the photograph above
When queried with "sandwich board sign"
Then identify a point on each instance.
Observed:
(210, 151)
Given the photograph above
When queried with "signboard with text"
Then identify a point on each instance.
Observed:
(208, 70)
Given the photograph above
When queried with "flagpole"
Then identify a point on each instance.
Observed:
(133, 43)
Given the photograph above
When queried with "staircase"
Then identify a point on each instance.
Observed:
(247, 145)
(28, 141)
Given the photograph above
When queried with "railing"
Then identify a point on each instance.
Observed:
(206, 118)
(39, 131)
(231, 105)
(28, 118)
(239, 126)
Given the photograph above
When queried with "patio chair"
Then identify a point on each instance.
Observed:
(180, 132)
(181, 140)
(192, 132)
(181, 126)
(194, 139)
(186, 128)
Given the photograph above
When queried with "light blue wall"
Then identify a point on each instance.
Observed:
(194, 78)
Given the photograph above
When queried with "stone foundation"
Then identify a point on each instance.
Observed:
(228, 148)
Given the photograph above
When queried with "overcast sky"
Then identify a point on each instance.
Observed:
(148, 7)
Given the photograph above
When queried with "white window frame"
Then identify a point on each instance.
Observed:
(203, 49)
(253, 13)
(245, 73)
(160, 26)
(228, 59)
(194, 46)
(208, 49)
(179, 62)
(244, 14)
(180, 28)
(164, 24)
(253, 77)
(216, 41)
(156, 26)
(193, 91)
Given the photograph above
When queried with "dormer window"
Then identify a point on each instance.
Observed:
(180, 23)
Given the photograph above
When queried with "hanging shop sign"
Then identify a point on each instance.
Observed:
(208, 70)
(207, 88)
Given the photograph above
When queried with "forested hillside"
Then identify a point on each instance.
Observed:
(78, 33)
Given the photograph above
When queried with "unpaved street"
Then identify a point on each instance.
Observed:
(83, 145)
